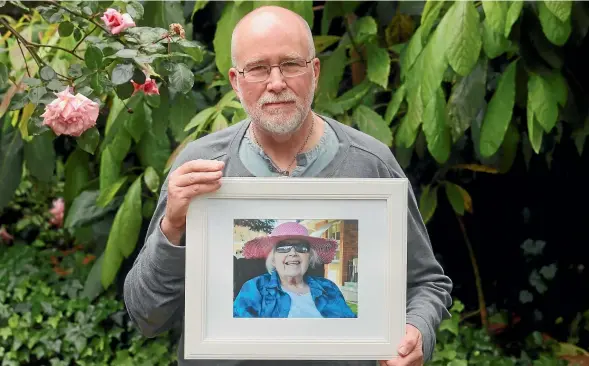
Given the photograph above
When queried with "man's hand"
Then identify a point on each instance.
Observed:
(410, 349)
(189, 180)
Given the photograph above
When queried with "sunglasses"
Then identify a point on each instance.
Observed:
(298, 247)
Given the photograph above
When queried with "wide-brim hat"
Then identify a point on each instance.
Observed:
(261, 246)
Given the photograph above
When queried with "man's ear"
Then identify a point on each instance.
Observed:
(316, 69)
(233, 75)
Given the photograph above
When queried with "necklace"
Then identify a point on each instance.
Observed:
(285, 171)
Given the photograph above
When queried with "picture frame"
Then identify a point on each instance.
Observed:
(378, 208)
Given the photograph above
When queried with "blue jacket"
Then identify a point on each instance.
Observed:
(263, 297)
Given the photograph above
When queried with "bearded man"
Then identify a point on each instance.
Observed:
(274, 74)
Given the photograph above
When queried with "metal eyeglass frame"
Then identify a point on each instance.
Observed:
(270, 67)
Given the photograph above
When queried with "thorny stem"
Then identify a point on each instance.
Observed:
(23, 57)
(83, 38)
(56, 47)
(475, 268)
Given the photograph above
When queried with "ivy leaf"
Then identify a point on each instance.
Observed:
(122, 73)
(372, 124)
(556, 30)
(93, 57)
(428, 202)
(464, 37)
(499, 112)
(394, 104)
(124, 234)
(542, 102)
(435, 127)
(467, 99)
(181, 78)
(379, 65)
(561, 9)
(495, 14)
(513, 13)
(537, 282)
(89, 140)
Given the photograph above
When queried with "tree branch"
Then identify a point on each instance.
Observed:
(83, 38)
(23, 57)
(77, 14)
(56, 47)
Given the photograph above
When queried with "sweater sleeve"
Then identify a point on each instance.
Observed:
(154, 286)
(428, 288)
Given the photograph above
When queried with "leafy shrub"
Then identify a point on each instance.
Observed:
(45, 319)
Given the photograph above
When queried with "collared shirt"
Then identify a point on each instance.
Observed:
(308, 163)
(263, 297)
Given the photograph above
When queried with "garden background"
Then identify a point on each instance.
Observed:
(484, 104)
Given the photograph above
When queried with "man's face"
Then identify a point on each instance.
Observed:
(278, 104)
(291, 258)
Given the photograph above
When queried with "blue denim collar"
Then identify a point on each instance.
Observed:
(316, 289)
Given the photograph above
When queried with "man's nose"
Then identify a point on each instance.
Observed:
(276, 81)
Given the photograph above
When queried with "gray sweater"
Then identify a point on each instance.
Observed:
(154, 287)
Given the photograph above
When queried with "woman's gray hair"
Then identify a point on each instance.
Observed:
(314, 259)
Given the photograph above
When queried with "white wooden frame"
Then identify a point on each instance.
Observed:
(211, 333)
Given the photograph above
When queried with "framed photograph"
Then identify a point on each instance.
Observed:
(299, 268)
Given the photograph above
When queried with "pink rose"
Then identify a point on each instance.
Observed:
(117, 22)
(4, 235)
(148, 87)
(69, 114)
(57, 212)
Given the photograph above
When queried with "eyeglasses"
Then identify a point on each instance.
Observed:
(298, 247)
(289, 69)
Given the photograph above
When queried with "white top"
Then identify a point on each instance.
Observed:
(302, 306)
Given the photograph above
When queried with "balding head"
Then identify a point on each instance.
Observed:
(268, 20)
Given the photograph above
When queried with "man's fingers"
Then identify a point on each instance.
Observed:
(200, 166)
(189, 179)
(408, 342)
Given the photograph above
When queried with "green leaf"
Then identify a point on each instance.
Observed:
(431, 12)
(181, 79)
(11, 161)
(89, 140)
(561, 8)
(323, 42)
(76, 174)
(3, 74)
(135, 10)
(146, 35)
(154, 149)
(364, 28)
(75, 71)
(394, 104)
(109, 168)
(535, 132)
(579, 135)
(499, 112)
(122, 73)
(137, 124)
(93, 285)
(513, 13)
(201, 118)
(152, 179)
(47, 73)
(40, 156)
(108, 194)
(65, 29)
(428, 202)
(434, 61)
(351, 97)
(379, 65)
(84, 210)
(36, 94)
(411, 53)
(558, 87)
(494, 43)
(126, 53)
(542, 101)
(495, 14)
(372, 124)
(509, 148)
(232, 13)
(93, 57)
(335, 9)
(463, 37)
(163, 13)
(124, 234)
(219, 123)
(467, 99)
(556, 30)
(332, 71)
(454, 194)
(435, 127)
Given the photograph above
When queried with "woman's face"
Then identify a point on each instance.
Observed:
(291, 258)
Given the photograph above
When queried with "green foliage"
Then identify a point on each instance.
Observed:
(44, 319)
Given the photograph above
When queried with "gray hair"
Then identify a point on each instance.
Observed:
(309, 33)
(314, 259)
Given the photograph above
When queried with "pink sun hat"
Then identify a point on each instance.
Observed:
(262, 245)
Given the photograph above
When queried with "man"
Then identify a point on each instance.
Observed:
(274, 75)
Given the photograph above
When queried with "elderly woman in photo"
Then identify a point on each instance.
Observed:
(287, 291)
